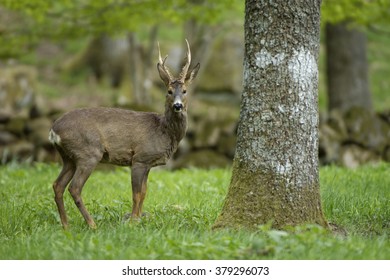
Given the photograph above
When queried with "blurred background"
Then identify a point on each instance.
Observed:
(59, 55)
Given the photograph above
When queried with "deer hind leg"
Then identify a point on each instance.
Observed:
(59, 185)
(139, 177)
(82, 173)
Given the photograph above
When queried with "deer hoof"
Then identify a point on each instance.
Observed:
(130, 217)
(146, 215)
(92, 226)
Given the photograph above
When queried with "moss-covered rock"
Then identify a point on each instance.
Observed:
(37, 131)
(17, 89)
(352, 156)
(213, 126)
(16, 125)
(18, 151)
(6, 137)
(353, 138)
(367, 129)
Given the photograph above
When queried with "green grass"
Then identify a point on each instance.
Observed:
(183, 206)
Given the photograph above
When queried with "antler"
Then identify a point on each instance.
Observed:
(184, 71)
(162, 62)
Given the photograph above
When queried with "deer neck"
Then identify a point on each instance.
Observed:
(175, 123)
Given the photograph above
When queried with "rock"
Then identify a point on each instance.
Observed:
(356, 137)
(352, 156)
(227, 145)
(17, 88)
(38, 131)
(207, 134)
(337, 123)
(333, 132)
(7, 138)
(16, 125)
(4, 116)
(19, 151)
(365, 128)
(210, 125)
(329, 147)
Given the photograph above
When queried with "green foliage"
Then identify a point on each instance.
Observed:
(361, 12)
(112, 15)
(69, 19)
(183, 206)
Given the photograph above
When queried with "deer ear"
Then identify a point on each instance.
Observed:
(192, 74)
(163, 74)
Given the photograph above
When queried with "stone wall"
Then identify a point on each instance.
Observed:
(355, 137)
(23, 129)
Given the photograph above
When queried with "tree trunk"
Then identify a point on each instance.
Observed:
(275, 171)
(347, 68)
(148, 65)
(141, 66)
(135, 69)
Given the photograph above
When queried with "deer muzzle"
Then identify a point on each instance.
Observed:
(178, 106)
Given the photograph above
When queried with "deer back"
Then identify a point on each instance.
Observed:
(118, 136)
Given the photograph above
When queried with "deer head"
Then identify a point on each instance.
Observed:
(177, 87)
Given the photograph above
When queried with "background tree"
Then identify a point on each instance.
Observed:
(347, 68)
(348, 83)
(275, 169)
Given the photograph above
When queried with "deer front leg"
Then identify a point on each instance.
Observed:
(139, 177)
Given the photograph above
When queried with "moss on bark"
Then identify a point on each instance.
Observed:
(256, 198)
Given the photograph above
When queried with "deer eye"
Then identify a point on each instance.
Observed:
(170, 91)
(184, 91)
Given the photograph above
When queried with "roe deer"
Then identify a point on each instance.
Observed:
(142, 140)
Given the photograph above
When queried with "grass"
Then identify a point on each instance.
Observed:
(183, 206)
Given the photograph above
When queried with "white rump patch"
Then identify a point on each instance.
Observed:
(54, 138)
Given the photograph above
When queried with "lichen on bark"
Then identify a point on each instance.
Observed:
(275, 171)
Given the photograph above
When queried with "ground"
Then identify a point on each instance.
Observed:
(183, 206)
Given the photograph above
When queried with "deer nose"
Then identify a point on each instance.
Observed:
(178, 107)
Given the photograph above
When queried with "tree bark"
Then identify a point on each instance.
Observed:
(275, 170)
(347, 68)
